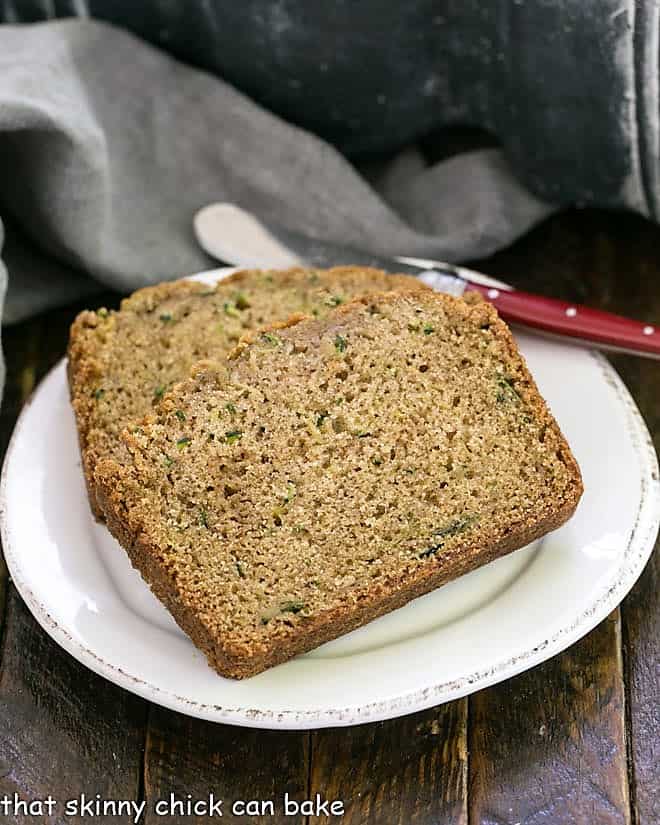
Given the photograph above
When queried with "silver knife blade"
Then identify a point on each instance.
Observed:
(237, 237)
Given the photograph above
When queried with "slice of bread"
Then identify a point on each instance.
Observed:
(332, 470)
(121, 363)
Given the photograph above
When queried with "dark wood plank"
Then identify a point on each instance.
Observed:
(607, 260)
(549, 746)
(186, 756)
(63, 730)
(4, 577)
(398, 772)
(642, 657)
(21, 348)
(639, 295)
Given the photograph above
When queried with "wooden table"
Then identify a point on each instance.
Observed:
(576, 740)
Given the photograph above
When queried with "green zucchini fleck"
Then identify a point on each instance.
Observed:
(458, 525)
(334, 301)
(180, 415)
(99, 393)
(340, 343)
(277, 513)
(506, 390)
(159, 391)
(271, 339)
(292, 607)
(166, 317)
(168, 461)
(428, 329)
(183, 442)
(230, 309)
(203, 518)
(102, 313)
(230, 408)
(232, 436)
(241, 301)
(283, 607)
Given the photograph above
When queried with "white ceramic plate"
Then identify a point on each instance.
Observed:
(481, 629)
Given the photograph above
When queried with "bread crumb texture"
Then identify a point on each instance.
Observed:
(332, 469)
(122, 363)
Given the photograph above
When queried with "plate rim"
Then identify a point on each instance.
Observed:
(637, 552)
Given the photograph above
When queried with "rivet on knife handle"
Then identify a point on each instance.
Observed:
(573, 320)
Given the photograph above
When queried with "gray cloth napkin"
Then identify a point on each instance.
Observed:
(109, 146)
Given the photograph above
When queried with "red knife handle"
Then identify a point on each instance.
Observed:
(572, 320)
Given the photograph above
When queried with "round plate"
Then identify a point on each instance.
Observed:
(478, 630)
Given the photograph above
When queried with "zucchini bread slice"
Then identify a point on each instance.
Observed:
(332, 470)
(121, 363)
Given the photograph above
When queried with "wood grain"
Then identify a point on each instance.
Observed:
(63, 730)
(642, 672)
(549, 746)
(21, 344)
(398, 772)
(639, 295)
(189, 756)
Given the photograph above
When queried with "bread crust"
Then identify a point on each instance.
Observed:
(232, 659)
(83, 368)
(240, 663)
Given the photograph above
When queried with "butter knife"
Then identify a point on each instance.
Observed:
(235, 236)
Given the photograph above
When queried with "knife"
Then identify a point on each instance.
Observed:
(233, 235)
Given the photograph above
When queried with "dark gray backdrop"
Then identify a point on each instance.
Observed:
(569, 86)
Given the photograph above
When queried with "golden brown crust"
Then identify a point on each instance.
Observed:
(238, 660)
(241, 663)
(83, 367)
